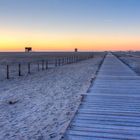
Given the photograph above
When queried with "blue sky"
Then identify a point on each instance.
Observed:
(111, 17)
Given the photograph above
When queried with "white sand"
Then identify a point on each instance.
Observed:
(43, 102)
(133, 62)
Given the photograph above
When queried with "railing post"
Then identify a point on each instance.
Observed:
(19, 69)
(7, 72)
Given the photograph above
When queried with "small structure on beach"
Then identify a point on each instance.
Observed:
(28, 49)
(75, 50)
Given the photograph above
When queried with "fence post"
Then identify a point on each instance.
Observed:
(19, 69)
(29, 68)
(46, 64)
(72, 59)
(62, 60)
(7, 72)
(42, 64)
(38, 66)
(76, 58)
(55, 62)
(65, 60)
(59, 62)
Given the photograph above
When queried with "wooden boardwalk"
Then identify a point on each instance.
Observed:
(111, 109)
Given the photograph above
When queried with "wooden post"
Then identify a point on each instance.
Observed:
(76, 58)
(56, 62)
(59, 61)
(65, 60)
(62, 60)
(38, 66)
(29, 68)
(46, 64)
(72, 59)
(19, 69)
(7, 72)
(42, 64)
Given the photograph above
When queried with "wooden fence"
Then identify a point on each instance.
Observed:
(43, 64)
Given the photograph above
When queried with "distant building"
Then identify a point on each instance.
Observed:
(75, 50)
(28, 49)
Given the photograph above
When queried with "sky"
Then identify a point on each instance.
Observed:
(62, 25)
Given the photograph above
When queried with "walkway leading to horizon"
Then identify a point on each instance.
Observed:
(111, 109)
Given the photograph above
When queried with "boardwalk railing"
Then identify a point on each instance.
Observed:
(11, 70)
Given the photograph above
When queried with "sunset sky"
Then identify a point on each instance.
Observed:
(62, 25)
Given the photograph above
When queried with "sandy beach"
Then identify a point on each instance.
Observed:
(39, 106)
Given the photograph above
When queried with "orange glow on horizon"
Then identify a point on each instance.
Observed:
(11, 40)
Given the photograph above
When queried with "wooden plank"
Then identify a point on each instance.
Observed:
(111, 108)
